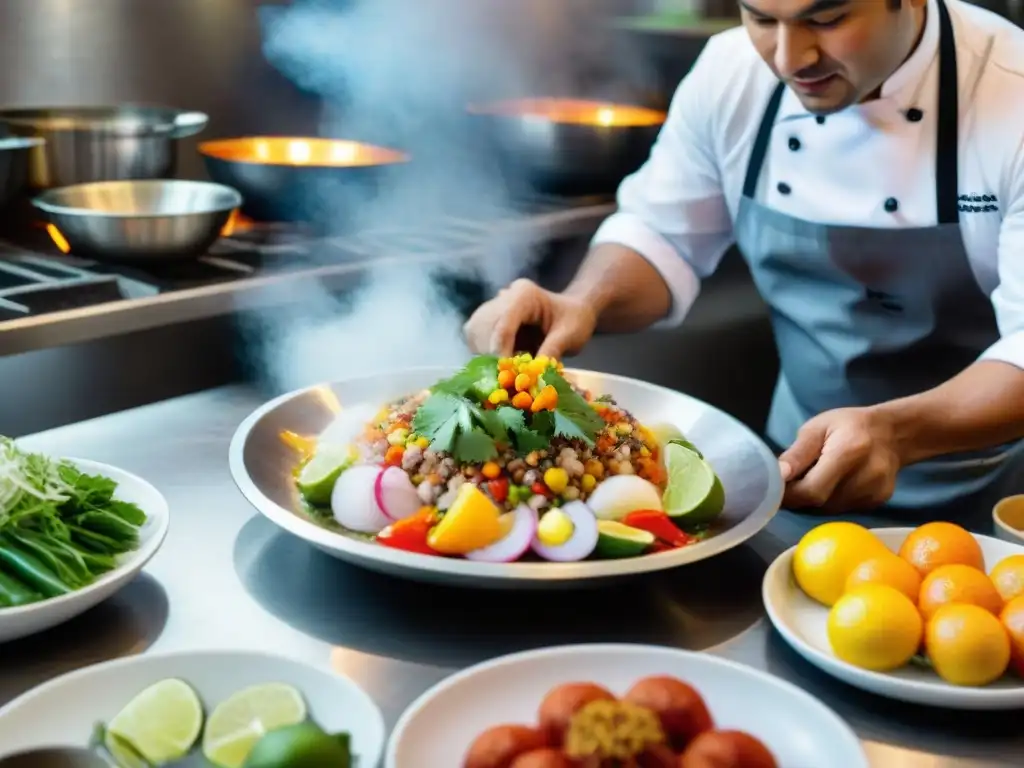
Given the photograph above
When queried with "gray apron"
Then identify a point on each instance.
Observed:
(861, 316)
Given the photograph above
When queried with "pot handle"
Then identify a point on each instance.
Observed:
(188, 124)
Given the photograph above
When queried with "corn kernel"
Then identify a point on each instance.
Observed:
(645, 451)
(524, 381)
(422, 442)
(491, 470)
(595, 468)
(587, 483)
(522, 400)
(556, 479)
(398, 437)
(497, 396)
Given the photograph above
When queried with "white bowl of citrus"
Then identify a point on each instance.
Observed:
(932, 615)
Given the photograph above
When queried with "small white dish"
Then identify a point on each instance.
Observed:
(802, 623)
(1008, 516)
(28, 619)
(438, 728)
(63, 711)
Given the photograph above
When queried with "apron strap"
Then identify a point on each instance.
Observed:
(947, 182)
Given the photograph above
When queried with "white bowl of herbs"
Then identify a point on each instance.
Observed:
(72, 533)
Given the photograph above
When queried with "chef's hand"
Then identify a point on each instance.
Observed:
(841, 460)
(566, 323)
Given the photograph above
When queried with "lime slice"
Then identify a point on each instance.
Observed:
(239, 722)
(161, 723)
(616, 540)
(665, 433)
(317, 478)
(693, 494)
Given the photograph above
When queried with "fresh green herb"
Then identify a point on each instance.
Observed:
(574, 418)
(475, 447)
(59, 528)
(479, 376)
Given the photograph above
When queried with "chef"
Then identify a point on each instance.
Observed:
(867, 157)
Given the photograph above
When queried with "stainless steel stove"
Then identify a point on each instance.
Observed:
(48, 298)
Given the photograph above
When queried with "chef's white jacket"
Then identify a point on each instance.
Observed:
(678, 209)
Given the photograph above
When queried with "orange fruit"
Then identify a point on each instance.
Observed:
(966, 645)
(934, 544)
(1012, 618)
(958, 584)
(875, 627)
(890, 570)
(827, 554)
(1008, 576)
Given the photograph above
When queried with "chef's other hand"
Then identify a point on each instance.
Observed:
(841, 460)
(566, 323)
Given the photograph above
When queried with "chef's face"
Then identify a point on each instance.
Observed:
(833, 53)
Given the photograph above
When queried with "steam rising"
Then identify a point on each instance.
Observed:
(400, 73)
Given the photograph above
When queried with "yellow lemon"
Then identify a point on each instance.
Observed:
(875, 627)
(967, 645)
(827, 555)
(471, 522)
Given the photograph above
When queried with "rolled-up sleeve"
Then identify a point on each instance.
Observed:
(1008, 297)
(672, 211)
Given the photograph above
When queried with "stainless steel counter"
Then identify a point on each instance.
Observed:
(227, 578)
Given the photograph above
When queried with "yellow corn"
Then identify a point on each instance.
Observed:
(556, 479)
(587, 483)
(497, 396)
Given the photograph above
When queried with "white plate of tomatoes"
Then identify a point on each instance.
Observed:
(931, 615)
(544, 709)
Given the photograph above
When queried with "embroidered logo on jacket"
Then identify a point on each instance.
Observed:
(978, 203)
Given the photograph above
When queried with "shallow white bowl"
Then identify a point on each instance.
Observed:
(437, 729)
(28, 619)
(802, 623)
(63, 711)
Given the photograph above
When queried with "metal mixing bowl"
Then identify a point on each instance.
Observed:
(139, 220)
(286, 178)
(14, 161)
(86, 144)
(569, 145)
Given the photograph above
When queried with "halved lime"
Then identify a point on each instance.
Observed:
(616, 540)
(161, 723)
(693, 494)
(240, 721)
(684, 443)
(317, 478)
(304, 745)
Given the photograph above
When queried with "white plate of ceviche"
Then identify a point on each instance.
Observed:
(508, 472)
(227, 709)
(72, 533)
(551, 709)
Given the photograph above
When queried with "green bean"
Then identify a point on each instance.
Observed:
(95, 542)
(30, 570)
(51, 557)
(13, 593)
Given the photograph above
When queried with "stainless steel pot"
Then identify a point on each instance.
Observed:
(14, 161)
(568, 145)
(138, 221)
(86, 144)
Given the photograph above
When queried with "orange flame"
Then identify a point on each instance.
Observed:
(58, 238)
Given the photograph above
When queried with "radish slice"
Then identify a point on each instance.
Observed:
(580, 544)
(514, 544)
(395, 494)
(353, 502)
(619, 495)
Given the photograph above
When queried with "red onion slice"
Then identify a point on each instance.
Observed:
(514, 544)
(580, 544)
(353, 500)
(395, 494)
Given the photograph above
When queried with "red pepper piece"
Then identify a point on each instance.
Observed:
(658, 523)
(660, 546)
(498, 489)
(410, 534)
(540, 489)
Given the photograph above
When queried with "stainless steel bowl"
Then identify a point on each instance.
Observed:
(151, 220)
(569, 145)
(86, 144)
(294, 178)
(14, 161)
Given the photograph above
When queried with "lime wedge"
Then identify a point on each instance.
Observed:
(161, 723)
(665, 433)
(317, 478)
(235, 726)
(693, 493)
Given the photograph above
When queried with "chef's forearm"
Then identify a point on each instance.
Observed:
(981, 407)
(625, 291)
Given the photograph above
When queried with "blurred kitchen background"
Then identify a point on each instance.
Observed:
(68, 357)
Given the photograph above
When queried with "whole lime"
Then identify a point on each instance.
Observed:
(304, 745)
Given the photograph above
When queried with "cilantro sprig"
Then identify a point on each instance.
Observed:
(455, 421)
